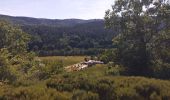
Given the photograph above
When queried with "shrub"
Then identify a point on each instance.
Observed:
(84, 95)
(30, 93)
(110, 88)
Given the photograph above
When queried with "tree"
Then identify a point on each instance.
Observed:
(14, 58)
(139, 24)
(13, 38)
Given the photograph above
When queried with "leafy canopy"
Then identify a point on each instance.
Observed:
(144, 31)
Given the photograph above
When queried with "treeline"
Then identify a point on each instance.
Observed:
(64, 37)
(83, 39)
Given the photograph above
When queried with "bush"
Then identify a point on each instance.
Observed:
(116, 70)
(6, 73)
(83, 95)
(108, 55)
(110, 88)
(30, 93)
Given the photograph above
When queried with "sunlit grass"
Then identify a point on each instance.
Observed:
(66, 60)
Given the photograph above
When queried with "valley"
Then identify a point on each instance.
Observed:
(124, 55)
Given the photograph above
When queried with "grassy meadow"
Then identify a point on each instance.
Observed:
(92, 72)
(66, 60)
(93, 83)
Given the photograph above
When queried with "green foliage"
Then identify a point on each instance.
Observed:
(15, 61)
(5, 71)
(142, 47)
(83, 95)
(90, 84)
(161, 55)
(53, 67)
(108, 55)
(143, 40)
(30, 93)
(83, 39)
(109, 88)
(116, 70)
(12, 38)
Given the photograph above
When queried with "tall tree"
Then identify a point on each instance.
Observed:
(139, 24)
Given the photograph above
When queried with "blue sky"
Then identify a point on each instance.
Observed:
(56, 9)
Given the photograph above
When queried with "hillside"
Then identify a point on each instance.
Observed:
(46, 22)
(64, 37)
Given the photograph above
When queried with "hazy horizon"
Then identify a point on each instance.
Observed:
(56, 9)
(52, 18)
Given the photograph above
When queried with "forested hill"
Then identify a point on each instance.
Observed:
(46, 22)
(65, 37)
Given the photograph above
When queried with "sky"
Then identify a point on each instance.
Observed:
(56, 9)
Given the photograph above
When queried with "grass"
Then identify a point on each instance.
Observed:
(92, 72)
(66, 60)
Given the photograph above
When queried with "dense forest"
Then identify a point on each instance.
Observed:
(65, 37)
(135, 49)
